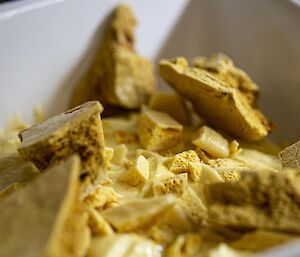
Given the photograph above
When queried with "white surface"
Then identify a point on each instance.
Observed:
(46, 44)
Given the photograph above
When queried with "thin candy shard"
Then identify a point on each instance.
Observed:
(266, 200)
(118, 76)
(219, 103)
(78, 130)
(47, 212)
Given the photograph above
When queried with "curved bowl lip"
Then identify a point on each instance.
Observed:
(296, 2)
(10, 9)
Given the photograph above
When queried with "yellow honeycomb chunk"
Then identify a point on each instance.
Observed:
(158, 130)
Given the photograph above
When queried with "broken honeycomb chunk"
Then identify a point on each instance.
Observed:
(139, 213)
(266, 200)
(101, 196)
(227, 168)
(290, 156)
(180, 162)
(223, 68)
(172, 104)
(175, 185)
(78, 130)
(49, 213)
(211, 142)
(195, 171)
(137, 173)
(118, 76)
(158, 131)
(220, 104)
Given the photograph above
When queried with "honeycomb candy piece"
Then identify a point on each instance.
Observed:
(118, 76)
(211, 142)
(175, 185)
(124, 245)
(188, 200)
(78, 130)
(220, 104)
(195, 171)
(98, 225)
(227, 168)
(223, 68)
(48, 212)
(172, 104)
(260, 240)
(158, 131)
(119, 156)
(138, 213)
(180, 162)
(101, 196)
(264, 200)
(13, 169)
(290, 156)
(138, 173)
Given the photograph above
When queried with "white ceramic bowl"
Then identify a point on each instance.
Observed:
(45, 46)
